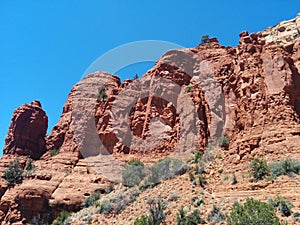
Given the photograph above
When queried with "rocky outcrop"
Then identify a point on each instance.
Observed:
(190, 98)
(27, 132)
(283, 33)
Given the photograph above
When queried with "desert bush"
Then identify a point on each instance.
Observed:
(29, 167)
(105, 207)
(193, 219)
(202, 180)
(91, 200)
(14, 173)
(253, 212)
(282, 205)
(197, 156)
(204, 39)
(54, 152)
(162, 170)
(136, 162)
(234, 180)
(216, 216)
(156, 209)
(288, 167)
(109, 189)
(119, 203)
(189, 89)
(133, 175)
(143, 220)
(133, 194)
(259, 169)
(224, 142)
(62, 219)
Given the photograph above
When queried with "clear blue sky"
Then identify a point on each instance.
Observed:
(45, 46)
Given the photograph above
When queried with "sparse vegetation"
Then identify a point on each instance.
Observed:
(105, 207)
(197, 156)
(143, 220)
(288, 167)
(253, 212)
(136, 77)
(136, 173)
(202, 180)
(259, 169)
(91, 200)
(204, 39)
(157, 215)
(102, 96)
(216, 216)
(133, 174)
(135, 162)
(54, 152)
(14, 173)
(189, 89)
(133, 194)
(156, 209)
(224, 142)
(282, 205)
(29, 167)
(193, 219)
(62, 219)
(234, 180)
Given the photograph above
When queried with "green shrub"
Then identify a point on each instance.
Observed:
(197, 156)
(54, 152)
(133, 194)
(162, 170)
(281, 205)
(156, 209)
(109, 189)
(29, 167)
(259, 169)
(189, 89)
(192, 219)
(234, 180)
(62, 219)
(106, 207)
(133, 175)
(202, 181)
(216, 216)
(102, 96)
(143, 220)
(253, 212)
(14, 173)
(204, 39)
(91, 200)
(287, 167)
(136, 162)
(224, 142)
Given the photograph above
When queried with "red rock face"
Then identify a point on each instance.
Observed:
(27, 132)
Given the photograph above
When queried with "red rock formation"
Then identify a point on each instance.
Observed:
(250, 93)
(27, 132)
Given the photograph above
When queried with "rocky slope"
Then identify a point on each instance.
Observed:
(250, 93)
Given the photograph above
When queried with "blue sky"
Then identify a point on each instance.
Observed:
(46, 46)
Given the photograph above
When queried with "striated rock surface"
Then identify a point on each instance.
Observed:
(190, 98)
(27, 132)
